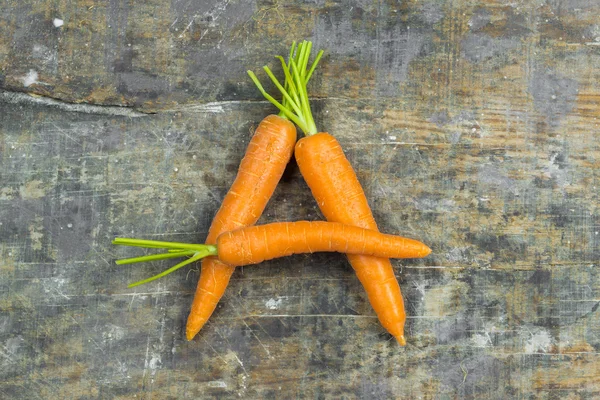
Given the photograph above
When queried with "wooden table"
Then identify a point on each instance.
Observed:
(473, 126)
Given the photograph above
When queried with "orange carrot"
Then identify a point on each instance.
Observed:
(337, 190)
(340, 197)
(255, 244)
(266, 157)
(259, 172)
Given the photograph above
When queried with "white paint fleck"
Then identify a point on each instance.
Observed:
(113, 332)
(538, 342)
(274, 304)
(421, 287)
(217, 384)
(54, 287)
(458, 255)
(58, 22)
(30, 79)
(154, 363)
(10, 350)
(3, 324)
(480, 340)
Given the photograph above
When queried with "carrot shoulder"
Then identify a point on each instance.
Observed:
(267, 155)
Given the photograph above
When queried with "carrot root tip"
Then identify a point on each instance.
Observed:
(427, 251)
(401, 340)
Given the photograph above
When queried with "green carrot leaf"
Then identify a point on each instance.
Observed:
(168, 271)
(295, 104)
(174, 250)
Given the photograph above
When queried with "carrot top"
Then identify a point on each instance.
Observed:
(174, 250)
(295, 104)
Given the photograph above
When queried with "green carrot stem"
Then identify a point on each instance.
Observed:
(310, 123)
(154, 257)
(158, 244)
(285, 110)
(289, 83)
(295, 105)
(174, 250)
(197, 257)
(304, 56)
(285, 94)
(314, 65)
(283, 100)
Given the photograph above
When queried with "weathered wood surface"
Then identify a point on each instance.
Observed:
(473, 126)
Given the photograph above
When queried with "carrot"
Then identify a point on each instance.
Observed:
(341, 198)
(260, 170)
(255, 244)
(336, 189)
(266, 157)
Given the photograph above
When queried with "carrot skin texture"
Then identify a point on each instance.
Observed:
(340, 197)
(255, 244)
(267, 155)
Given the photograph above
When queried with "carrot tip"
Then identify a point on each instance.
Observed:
(426, 251)
(189, 334)
(401, 340)
(193, 326)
